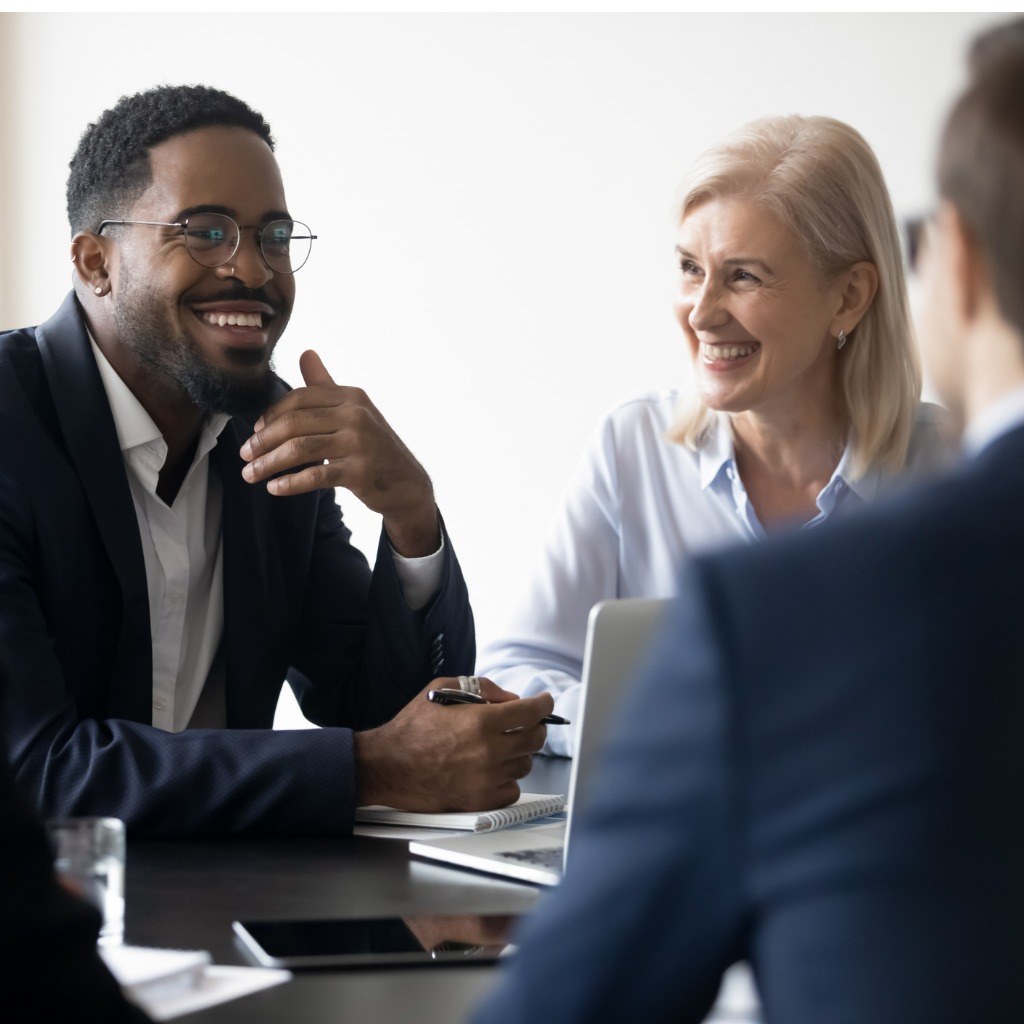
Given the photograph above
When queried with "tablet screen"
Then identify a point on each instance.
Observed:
(376, 942)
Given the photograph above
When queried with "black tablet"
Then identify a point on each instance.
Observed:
(427, 940)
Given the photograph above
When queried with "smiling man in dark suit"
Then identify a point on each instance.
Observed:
(831, 781)
(170, 545)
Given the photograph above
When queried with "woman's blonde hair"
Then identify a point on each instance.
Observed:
(822, 179)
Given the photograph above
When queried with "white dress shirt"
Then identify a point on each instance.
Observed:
(636, 507)
(997, 418)
(183, 550)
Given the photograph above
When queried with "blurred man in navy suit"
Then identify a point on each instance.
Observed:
(832, 779)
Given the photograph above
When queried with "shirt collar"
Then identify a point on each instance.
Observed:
(866, 486)
(996, 419)
(717, 454)
(135, 427)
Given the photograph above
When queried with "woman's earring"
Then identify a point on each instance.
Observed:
(840, 340)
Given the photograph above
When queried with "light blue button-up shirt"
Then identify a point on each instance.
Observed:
(721, 479)
(636, 508)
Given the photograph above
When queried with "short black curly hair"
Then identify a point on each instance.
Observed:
(111, 168)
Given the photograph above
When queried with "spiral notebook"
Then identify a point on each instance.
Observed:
(618, 635)
(528, 807)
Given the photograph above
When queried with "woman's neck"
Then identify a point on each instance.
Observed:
(785, 462)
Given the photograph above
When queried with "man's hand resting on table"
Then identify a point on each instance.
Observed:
(460, 757)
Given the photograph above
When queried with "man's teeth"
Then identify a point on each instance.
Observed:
(234, 319)
(726, 351)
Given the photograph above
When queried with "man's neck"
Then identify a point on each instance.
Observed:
(994, 366)
(173, 473)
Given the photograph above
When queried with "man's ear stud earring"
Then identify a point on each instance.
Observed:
(98, 290)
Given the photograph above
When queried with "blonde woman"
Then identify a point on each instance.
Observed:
(804, 400)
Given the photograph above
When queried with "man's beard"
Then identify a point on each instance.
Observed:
(149, 335)
(215, 390)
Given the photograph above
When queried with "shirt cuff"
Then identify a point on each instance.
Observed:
(420, 577)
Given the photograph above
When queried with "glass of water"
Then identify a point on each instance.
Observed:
(89, 860)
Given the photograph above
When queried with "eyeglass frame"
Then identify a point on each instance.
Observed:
(258, 228)
(915, 231)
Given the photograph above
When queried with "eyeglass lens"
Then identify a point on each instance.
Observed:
(212, 240)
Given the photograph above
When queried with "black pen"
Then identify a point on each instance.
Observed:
(447, 696)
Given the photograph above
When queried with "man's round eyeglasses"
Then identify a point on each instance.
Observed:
(212, 239)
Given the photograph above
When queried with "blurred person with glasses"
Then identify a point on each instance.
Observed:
(171, 550)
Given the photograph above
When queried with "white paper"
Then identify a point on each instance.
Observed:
(167, 983)
(218, 985)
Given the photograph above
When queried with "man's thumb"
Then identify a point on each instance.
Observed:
(313, 369)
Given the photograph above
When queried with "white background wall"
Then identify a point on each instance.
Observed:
(492, 197)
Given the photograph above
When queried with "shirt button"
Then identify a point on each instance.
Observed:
(160, 703)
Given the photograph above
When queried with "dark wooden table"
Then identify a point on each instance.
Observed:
(185, 895)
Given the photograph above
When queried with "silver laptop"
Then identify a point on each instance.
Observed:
(619, 633)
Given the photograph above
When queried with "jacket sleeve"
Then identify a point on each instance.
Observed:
(75, 755)
(358, 666)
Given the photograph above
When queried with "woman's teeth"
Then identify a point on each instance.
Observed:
(726, 351)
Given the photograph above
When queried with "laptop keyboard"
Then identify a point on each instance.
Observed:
(544, 856)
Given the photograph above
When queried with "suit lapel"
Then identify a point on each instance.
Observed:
(91, 438)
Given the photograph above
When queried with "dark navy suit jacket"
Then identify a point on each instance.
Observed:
(75, 647)
(820, 771)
